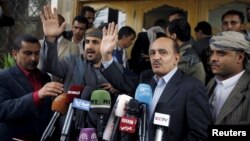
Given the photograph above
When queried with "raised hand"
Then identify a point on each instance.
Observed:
(109, 41)
(50, 22)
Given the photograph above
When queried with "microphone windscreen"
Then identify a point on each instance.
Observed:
(100, 101)
(143, 94)
(60, 104)
(133, 108)
(88, 134)
(121, 103)
(74, 92)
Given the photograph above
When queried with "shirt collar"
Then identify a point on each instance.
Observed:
(230, 81)
(166, 77)
(26, 73)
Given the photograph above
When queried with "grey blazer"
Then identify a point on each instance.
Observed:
(236, 109)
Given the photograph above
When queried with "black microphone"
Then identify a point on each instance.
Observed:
(128, 123)
(60, 107)
(100, 104)
(162, 122)
(73, 92)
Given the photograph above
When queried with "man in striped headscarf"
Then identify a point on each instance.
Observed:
(229, 90)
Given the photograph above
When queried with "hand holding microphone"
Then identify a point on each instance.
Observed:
(50, 89)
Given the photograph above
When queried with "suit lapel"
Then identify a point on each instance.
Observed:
(170, 90)
(168, 93)
(234, 98)
(21, 79)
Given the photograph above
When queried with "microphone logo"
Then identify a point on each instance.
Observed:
(74, 92)
(93, 137)
(81, 104)
(128, 124)
(161, 119)
(126, 128)
(125, 120)
(83, 137)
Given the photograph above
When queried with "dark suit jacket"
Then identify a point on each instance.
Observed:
(185, 100)
(18, 114)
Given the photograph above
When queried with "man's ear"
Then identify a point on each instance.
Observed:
(173, 36)
(14, 54)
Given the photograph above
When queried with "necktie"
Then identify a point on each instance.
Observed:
(118, 54)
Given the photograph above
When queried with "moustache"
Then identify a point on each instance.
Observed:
(156, 63)
(33, 64)
(89, 50)
(214, 64)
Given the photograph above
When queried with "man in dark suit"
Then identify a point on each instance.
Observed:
(181, 97)
(25, 94)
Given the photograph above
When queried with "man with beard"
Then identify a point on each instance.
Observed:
(95, 68)
(229, 90)
(25, 95)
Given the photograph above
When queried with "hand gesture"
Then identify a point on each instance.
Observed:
(109, 41)
(50, 22)
(50, 89)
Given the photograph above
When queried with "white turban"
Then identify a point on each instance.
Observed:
(230, 40)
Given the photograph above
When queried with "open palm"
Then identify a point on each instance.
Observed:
(109, 40)
(51, 26)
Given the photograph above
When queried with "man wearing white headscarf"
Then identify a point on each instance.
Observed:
(229, 90)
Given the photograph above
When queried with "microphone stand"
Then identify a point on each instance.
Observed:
(143, 123)
(67, 123)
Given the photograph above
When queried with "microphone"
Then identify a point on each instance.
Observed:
(60, 107)
(73, 92)
(88, 134)
(143, 94)
(162, 121)
(129, 121)
(114, 118)
(100, 104)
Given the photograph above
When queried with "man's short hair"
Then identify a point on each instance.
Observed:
(85, 9)
(234, 12)
(162, 23)
(205, 27)
(126, 31)
(181, 28)
(81, 19)
(26, 38)
(180, 13)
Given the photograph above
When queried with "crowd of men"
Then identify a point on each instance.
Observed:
(193, 85)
